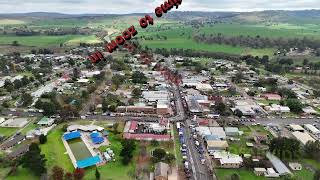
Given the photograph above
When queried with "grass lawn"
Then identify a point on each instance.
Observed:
(177, 142)
(304, 174)
(113, 170)
(224, 174)
(7, 131)
(30, 126)
(55, 152)
(238, 147)
(4, 172)
(312, 162)
(22, 174)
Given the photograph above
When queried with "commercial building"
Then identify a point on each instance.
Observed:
(227, 160)
(313, 130)
(303, 137)
(272, 97)
(280, 167)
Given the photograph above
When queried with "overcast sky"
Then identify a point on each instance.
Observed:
(134, 6)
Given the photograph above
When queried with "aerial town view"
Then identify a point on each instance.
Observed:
(160, 90)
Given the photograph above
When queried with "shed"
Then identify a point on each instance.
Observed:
(231, 131)
(260, 171)
(295, 166)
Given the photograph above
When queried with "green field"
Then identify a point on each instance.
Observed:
(45, 41)
(7, 131)
(56, 155)
(4, 172)
(22, 174)
(224, 174)
(11, 22)
(276, 31)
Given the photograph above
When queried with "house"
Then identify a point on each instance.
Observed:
(45, 121)
(280, 167)
(227, 160)
(260, 171)
(161, 171)
(295, 166)
(272, 97)
(216, 145)
(16, 140)
(232, 131)
(303, 137)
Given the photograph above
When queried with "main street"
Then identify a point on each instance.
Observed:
(200, 171)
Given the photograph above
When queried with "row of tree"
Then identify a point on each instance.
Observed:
(259, 42)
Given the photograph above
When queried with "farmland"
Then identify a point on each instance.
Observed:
(46, 41)
(275, 31)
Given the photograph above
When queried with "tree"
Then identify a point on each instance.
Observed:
(238, 113)
(295, 105)
(26, 99)
(312, 150)
(251, 93)
(42, 139)
(68, 176)
(97, 174)
(49, 108)
(78, 174)
(33, 160)
(158, 155)
(136, 92)
(305, 62)
(118, 80)
(139, 78)
(285, 148)
(57, 173)
(316, 175)
(15, 43)
(169, 158)
(127, 151)
(235, 176)
(76, 73)
(8, 85)
(221, 107)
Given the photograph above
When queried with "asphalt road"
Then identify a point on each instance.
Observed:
(282, 122)
(199, 171)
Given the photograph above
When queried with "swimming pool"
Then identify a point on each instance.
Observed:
(79, 149)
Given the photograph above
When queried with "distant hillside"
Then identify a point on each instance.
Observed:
(259, 16)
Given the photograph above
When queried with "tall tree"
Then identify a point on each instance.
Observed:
(78, 174)
(57, 173)
(97, 173)
(34, 161)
